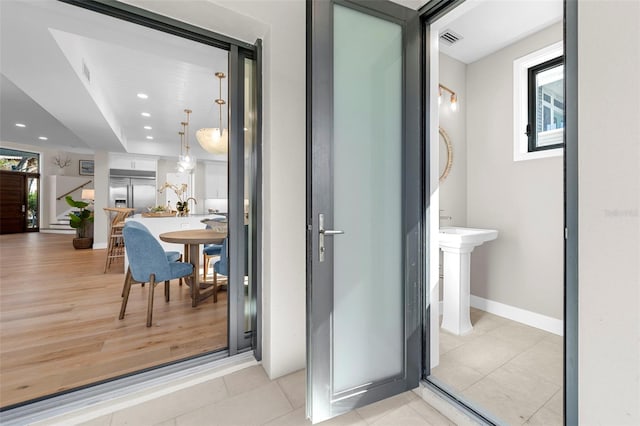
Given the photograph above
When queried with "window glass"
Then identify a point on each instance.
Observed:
(19, 161)
(546, 105)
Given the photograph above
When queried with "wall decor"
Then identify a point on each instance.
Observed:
(86, 168)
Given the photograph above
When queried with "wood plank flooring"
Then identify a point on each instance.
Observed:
(59, 326)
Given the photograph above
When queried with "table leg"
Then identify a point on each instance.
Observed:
(194, 259)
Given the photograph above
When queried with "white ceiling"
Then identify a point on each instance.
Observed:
(44, 44)
(489, 25)
(47, 44)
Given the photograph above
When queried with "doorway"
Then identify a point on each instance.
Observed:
(217, 330)
(20, 186)
(537, 354)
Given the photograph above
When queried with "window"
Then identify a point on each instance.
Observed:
(546, 105)
(538, 96)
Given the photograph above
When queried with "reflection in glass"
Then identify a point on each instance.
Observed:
(249, 189)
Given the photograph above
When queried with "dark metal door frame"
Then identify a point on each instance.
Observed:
(319, 200)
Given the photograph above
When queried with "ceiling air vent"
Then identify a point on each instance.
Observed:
(450, 37)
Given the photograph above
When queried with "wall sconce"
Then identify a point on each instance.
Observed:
(453, 99)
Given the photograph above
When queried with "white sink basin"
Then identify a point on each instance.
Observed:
(457, 237)
(457, 244)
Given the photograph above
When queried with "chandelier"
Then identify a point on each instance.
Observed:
(215, 140)
(186, 161)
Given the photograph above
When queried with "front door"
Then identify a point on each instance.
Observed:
(364, 203)
(13, 202)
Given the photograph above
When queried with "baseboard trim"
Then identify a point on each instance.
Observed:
(99, 246)
(533, 319)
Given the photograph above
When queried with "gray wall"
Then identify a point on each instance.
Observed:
(453, 190)
(609, 219)
(523, 200)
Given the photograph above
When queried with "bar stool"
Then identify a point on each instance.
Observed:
(115, 243)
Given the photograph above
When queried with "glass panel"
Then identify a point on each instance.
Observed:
(33, 202)
(368, 296)
(249, 189)
(19, 161)
(550, 106)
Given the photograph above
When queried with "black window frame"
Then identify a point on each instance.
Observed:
(531, 131)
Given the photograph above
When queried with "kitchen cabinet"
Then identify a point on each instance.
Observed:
(216, 180)
(129, 162)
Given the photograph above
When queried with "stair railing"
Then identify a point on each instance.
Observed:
(73, 190)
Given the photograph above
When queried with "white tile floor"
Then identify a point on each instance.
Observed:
(248, 397)
(509, 369)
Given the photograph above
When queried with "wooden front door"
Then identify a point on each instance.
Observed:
(13, 202)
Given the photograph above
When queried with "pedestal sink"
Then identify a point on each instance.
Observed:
(457, 244)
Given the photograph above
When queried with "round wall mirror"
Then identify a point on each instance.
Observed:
(446, 154)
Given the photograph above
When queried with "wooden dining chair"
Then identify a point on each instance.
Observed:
(115, 242)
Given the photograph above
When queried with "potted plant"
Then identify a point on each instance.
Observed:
(82, 221)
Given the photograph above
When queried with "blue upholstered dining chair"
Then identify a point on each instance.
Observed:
(172, 256)
(148, 263)
(220, 267)
(211, 250)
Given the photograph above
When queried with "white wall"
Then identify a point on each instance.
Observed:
(281, 25)
(523, 200)
(609, 221)
(453, 190)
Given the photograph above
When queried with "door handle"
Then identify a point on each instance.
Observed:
(322, 232)
(24, 208)
(330, 232)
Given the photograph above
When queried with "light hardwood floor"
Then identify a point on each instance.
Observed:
(59, 326)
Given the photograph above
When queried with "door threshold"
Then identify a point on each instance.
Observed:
(95, 401)
(452, 407)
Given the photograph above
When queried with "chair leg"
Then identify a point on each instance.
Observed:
(166, 291)
(125, 294)
(180, 260)
(126, 278)
(152, 286)
(215, 286)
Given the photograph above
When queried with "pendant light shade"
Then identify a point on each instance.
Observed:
(186, 161)
(215, 140)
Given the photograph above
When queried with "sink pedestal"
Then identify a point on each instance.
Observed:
(457, 244)
(457, 290)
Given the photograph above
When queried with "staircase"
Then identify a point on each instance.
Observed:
(60, 226)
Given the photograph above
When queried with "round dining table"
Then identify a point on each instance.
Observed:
(192, 238)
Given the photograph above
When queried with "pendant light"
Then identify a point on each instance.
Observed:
(215, 140)
(186, 161)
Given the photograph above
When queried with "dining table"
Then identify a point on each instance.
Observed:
(192, 238)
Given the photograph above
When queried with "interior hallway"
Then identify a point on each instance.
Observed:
(59, 325)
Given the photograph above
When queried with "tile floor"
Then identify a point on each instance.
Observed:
(511, 370)
(248, 397)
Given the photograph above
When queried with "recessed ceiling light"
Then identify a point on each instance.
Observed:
(149, 137)
(43, 138)
(148, 127)
(143, 95)
(20, 125)
(146, 114)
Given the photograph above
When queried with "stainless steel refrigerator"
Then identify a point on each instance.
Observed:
(132, 188)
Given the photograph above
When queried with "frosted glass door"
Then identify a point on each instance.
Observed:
(367, 190)
(363, 259)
